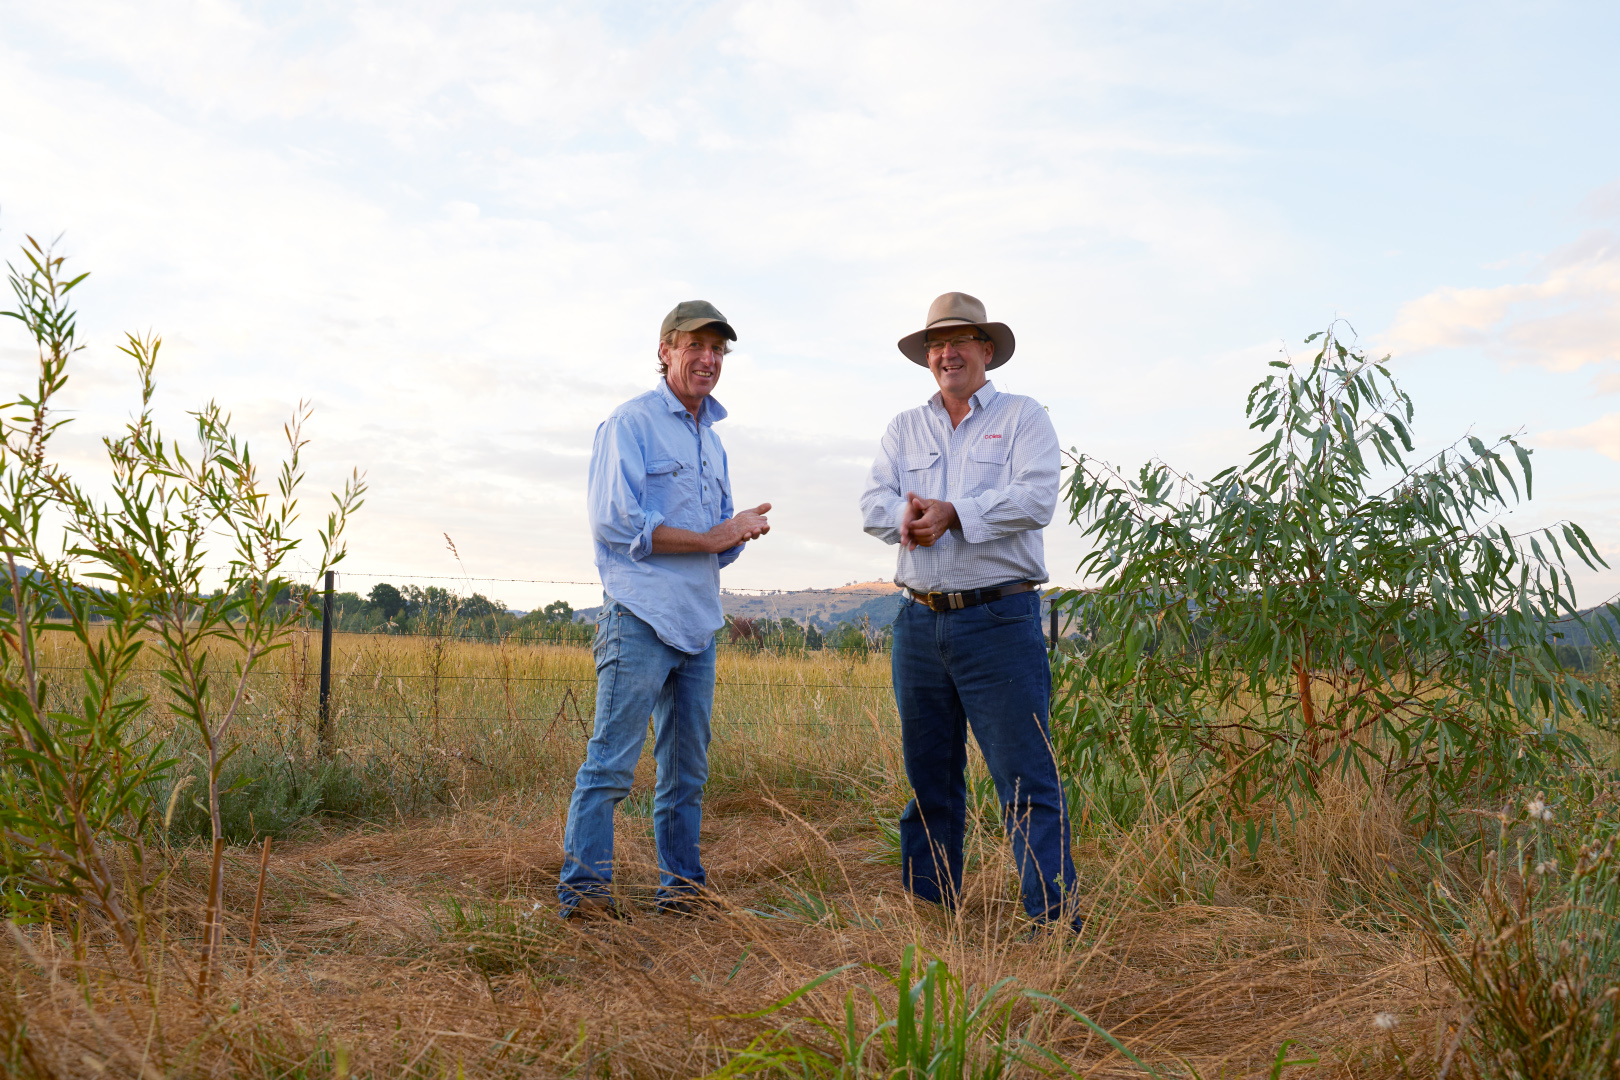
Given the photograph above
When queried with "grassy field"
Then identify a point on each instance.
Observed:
(410, 928)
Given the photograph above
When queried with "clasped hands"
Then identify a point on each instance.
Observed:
(924, 521)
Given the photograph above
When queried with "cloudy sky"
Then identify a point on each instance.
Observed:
(454, 229)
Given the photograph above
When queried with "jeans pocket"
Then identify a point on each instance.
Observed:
(607, 635)
(1014, 609)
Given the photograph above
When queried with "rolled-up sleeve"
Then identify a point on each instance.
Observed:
(882, 502)
(615, 491)
(1030, 500)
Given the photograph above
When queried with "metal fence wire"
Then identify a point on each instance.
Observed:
(548, 701)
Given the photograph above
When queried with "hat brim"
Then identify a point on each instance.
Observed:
(915, 346)
(689, 325)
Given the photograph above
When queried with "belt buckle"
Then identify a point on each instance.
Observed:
(939, 601)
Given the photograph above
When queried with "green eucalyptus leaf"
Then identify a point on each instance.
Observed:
(1390, 592)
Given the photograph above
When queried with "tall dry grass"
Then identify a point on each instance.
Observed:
(493, 719)
(423, 942)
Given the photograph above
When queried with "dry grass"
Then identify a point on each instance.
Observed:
(489, 719)
(428, 945)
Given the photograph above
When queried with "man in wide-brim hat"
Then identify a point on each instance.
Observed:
(964, 485)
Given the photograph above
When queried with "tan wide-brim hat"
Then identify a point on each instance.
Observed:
(959, 309)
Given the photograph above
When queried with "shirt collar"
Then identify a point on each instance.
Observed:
(981, 398)
(709, 412)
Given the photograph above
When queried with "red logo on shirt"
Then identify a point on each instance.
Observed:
(992, 436)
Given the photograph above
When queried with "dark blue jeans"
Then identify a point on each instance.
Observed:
(983, 667)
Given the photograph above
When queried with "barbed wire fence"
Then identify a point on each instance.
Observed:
(571, 698)
(577, 696)
(498, 692)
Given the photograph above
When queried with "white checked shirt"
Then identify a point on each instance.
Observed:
(999, 468)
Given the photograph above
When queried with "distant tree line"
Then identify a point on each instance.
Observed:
(410, 609)
(436, 611)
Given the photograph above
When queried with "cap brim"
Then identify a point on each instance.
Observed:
(698, 324)
(914, 347)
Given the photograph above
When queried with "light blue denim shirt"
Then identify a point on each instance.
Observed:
(651, 465)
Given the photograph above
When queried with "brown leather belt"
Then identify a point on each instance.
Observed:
(955, 601)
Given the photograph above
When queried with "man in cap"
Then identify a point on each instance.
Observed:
(964, 484)
(661, 515)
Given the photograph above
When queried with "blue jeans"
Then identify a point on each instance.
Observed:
(637, 675)
(983, 667)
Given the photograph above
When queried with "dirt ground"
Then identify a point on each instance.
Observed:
(435, 949)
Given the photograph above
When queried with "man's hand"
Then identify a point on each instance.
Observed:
(745, 526)
(748, 525)
(909, 514)
(924, 521)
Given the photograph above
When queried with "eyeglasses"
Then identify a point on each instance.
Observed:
(937, 347)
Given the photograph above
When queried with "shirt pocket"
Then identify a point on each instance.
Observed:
(987, 469)
(668, 484)
(990, 451)
(921, 459)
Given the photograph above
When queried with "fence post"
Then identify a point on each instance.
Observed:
(328, 737)
(1053, 613)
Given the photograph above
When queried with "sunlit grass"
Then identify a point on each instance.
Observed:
(492, 719)
(412, 932)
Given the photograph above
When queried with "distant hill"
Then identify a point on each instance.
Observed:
(878, 600)
(1577, 630)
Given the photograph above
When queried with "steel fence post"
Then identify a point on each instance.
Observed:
(328, 737)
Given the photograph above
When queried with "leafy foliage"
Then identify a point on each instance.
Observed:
(478, 605)
(442, 612)
(1323, 607)
(266, 793)
(73, 777)
(131, 580)
(558, 611)
(385, 598)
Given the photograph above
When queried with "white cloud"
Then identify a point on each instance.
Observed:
(1567, 319)
(456, 225)
(1601, 435)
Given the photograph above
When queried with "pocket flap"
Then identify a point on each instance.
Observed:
(663, 465)
(991, 451)
(921, 459)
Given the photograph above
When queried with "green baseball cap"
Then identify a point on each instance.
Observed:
(691, 315)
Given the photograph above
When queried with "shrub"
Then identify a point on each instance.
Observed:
(265, 793)
(1324, 606)
(131, 581)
